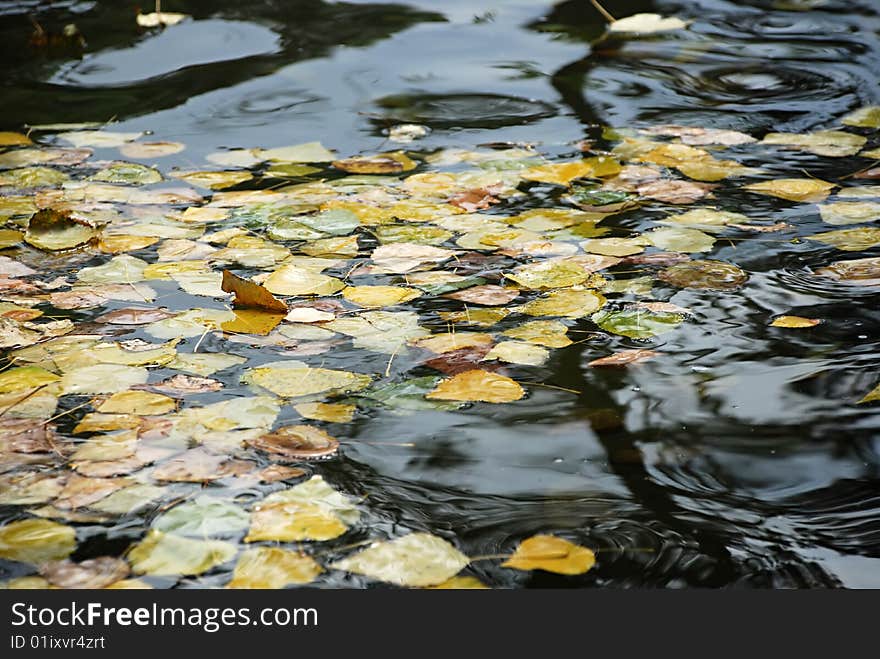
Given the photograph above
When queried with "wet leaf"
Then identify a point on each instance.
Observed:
(331, 412)
(297, 443)
(647, 24)
(316, 492)
(185, 384)
(614, 246)
(550, 333)
(400, 257)
(832, 143)
(625, 357)
(864, 117)
(636, 323)
(53, 231)
(214, 180)
(102, 139)
(278, 472)
(294, 379)
(202, 363)
(168, 554)
(793, 189)
(102, 379)
(25, 377)
(872, 395)
(549, 274)
(150, 150)
(203, 517)
(417, 559)
(681, 240)
(379, 296)
(449, 341)
(133, 316)
(8, 138)
(380, 331)
(137, 402)
(850, 240)
(850, 212)
(128, 173)
(294, 280)
(674, 191)
(252, 321)
(551, 554)
(568, 303)
(517, 352)
(486, 317)
(160, 18)
(706, 219)
(273, 568)
(293, 522)
(36, 541)
(386, 163)
(794, 322)
(80, 491)
(308, 152)
(477, 385)
(857, 272)
(92, 573)
(199, 466)
(129, 500)
(489, 295)
(704, 274)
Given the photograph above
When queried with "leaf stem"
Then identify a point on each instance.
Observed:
(608, 17)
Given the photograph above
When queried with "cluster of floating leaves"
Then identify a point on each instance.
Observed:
(469, 264)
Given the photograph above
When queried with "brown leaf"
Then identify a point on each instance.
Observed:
(763, 228)
(274, 473)
(624, 357)
(463, 359)
(187, 384)
(489, 295)
(199, 466)
(27, 436)
(250, 295)
(675, 192)
(82, 491)
(297, 442)
(133, 316)
(93, 573)
(474, 200)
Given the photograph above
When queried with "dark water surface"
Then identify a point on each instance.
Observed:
(741, 458)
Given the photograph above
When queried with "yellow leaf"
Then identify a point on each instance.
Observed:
(214, 180)
(850, 240)
(866, 117)
(25, 377)
(551, 554)
(293, 521)
(614, 246)
(647, 24)
(516, 352)
(461, 583)
(294, 280)
(137, 402)
(834, 143)
(166, 554)
(118, 243)
(794, 322)
(568, 303)
(872, 395)
(273, 568)
(301, 380)
(97, 422)
(379, 296)
(36, 541)
(331, 412)
(252, 321)
(485, 317)
(477, 385)
(850, 212)
(549, 274)
(565, 172)
(8, 138)
(417, 559)
(447, 342)
(550, 333)
(793, 189)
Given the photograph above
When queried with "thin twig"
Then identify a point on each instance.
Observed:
(608, 17)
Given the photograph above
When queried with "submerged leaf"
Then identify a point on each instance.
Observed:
(704, 274)
(297, 443)
(637, 323)
(168, 554)
(36, 541)
(273, 568)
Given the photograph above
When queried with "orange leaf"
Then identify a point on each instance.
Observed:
(249, 294)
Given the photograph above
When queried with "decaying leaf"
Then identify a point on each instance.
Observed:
(272, 568)
(92, 573)
(625, 357)
(297, 443)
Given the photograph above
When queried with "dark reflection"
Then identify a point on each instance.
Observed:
(226, 43)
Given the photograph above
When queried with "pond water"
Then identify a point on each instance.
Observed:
(740, 456)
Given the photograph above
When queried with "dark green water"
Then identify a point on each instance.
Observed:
(740, 460)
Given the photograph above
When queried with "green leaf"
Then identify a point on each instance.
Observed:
(166, 554)
(203, 517)
(637, 323)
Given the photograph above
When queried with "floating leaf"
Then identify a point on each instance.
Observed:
(203, 517)
(489, 295)
(92, 573)
(53, 231)
(185, 384)
(292, 522)
(202, 363)
(102, 139)
(102, 379)
(273, 568)
(379, 296)
(833, 143)
(198, 466)
(864, 117)
(36, 541)
(794, 322)
(549, 274)
(551, 554)
(477, 385)
(252, 321)
(215, 180)
(294, 280)
(614, 246)
(417, 559)
(380, 331)
(707, 219)
(137, 402)
(704, 274)
(293, 379)
(168, 554)
(331, 412)
(400, 257)
(446, 342)
(793, 189)
(316, 492)
(387, 163)
(636, 323)
(297, 443)
(461, 583)
(624, 358)
(850, 240)
(850, 212)
(128, 173)
(550, 333)
(82, 491)
(149, 150)
(858, 272)
(647, 24)
(251, 295)
(160, 18)
(25, 377)
(567, 303)
(517, 352)
(872, 395)
(681, 240)
(308, 152)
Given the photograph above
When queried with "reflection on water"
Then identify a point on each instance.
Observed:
(739, 459)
